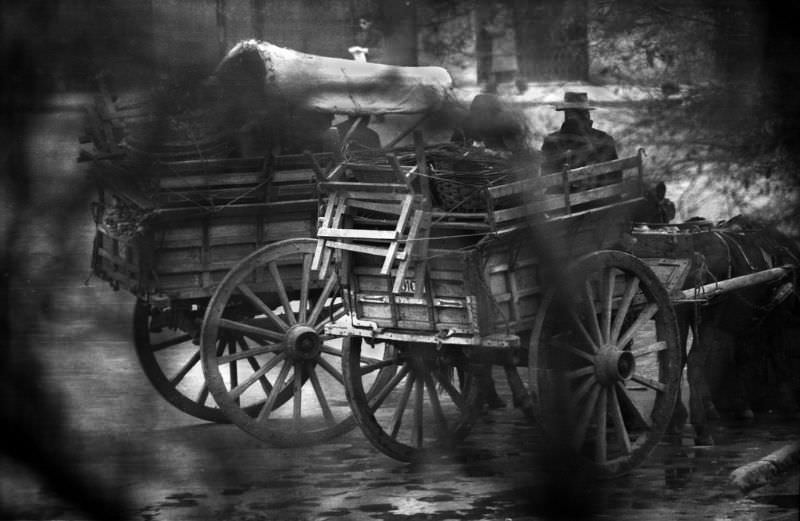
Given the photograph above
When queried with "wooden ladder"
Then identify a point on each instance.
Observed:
(387, 219)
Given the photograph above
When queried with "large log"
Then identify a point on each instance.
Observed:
(333, 85)
(713, 289)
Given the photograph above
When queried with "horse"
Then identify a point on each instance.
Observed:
(741, 320)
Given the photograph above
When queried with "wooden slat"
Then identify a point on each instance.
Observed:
(556, 202)
(347, 233)
(394, 209)
(364, 187)
(324, 221)
(409, 250)
(401, 224)
(204, 181)
(374, 196)
(575, 174)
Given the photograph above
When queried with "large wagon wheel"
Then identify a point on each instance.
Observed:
(604, 362)
(429, 403)
(278, 309)
(170, 358)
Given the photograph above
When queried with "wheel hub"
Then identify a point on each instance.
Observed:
(303, 342)
(612, 365)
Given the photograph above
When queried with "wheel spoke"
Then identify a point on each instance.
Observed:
(593, 323)
(265, 385)
(249, 330)
(175, 380)
(583, 371)
(235, 392)
(619, 423)
(381, 395)
(298, 394)
(171, 342)
(649, 382)
(339, 313)
(447, 385)
(419, 403)
(438, 413)
(630, 406)
(233, 368)
(576, 320)
(261, 306)
(608, 302)
(601, 445)
(323, 402)
(579, 353)
(202, 396)
(323, 297)
(646, 314)
(400, 408)
(251, 352)
(631, 288)
(279, 384)
(304, 287)
(333, 351)
(332, 370)
(652, 348)
(375, 366)
(580, 393)
(586, 415)
(287, 307)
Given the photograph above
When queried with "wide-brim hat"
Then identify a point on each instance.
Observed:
(575, 101)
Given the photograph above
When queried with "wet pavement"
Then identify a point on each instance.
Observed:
(166, 465)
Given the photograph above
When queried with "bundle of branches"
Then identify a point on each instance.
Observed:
(176, 137)
(459, 174)
(121, 219)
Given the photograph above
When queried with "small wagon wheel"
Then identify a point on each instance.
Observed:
(429, 403)
(170, 358)
(278, 309)
(604, 362)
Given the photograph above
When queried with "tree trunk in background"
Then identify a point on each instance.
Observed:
(221, 28)
(258, 18)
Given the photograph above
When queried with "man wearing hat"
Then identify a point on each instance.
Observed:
(576, 144)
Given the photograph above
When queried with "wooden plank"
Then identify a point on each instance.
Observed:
(374, 196)
(362, 248)
(393, 209)
(338, 214)
(409, 250)
(460, 225)
(364, 187)
(556, 202)
(346, 233)
(324, 221)
(575, 174)
(277, 209)
(293, 176)
(227, 165)
(201, 180)
(398, 230)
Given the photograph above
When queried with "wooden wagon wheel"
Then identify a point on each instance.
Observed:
(277, 305)
(429, 403)
(604, 362)
(170, 359)
(172, 364)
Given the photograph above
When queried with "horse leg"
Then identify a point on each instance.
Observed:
(698, 386)
(744, 363)
(680, 414)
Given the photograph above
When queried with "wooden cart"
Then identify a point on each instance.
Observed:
(171, 224)
(179, 222)
(539, 278)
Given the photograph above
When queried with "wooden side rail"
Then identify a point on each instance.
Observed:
(527, 186)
